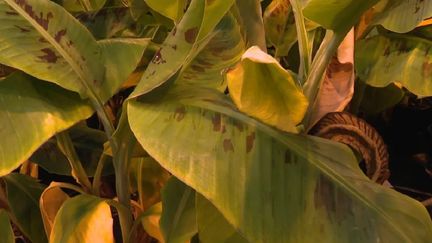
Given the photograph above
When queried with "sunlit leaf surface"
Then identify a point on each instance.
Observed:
(83, 218)
(272, 186)
(51, 199)
(32, 111)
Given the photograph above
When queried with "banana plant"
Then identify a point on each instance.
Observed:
(200, 110)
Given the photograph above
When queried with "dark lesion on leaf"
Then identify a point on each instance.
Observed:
(217, 122)
(158, 59)
(250, 141)
(289, 158)
(12, 13)
(180, 113)
(59, 35)
(191, 34)
(49, 56)
(22, 29)
(336, 203)
(227, 145)
(40, 19)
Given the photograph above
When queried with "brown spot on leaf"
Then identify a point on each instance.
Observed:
(335, 202)
(180, 113)
(217, 122)
(40, 19)
(174, 31)
(191, 34)
(158, 59)
(289, 158)
(238, 125)
(42, 40)
(250, 140)
(427, 68)
(11, 13)
(22, 29)
(49, 56)
(198, 68)
(58, 36)
(174, 47)
(227, 145)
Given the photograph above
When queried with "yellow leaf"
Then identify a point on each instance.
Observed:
(51, 200)
(262, 88)
(84, 219)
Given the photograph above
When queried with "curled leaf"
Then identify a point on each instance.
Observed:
(338, 86)
(262, 88)
(83, 218)
(51, 200)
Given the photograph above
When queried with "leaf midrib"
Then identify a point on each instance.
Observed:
(45, 34)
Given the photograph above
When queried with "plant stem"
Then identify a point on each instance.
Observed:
(124, 217)
(303, 41)
(65, 144)
(319, 65)
(121, 156)
(98, 174)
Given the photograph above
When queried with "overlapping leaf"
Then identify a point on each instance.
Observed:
(280, 26)
(178, 220)
(6, 228)
(223, 49)
(51, 199)
(383, 59)
(178, 49)
(401, 15)
(32, 111)
(212, 226)
(44, 40)
(23, 194)
(83, 218)
(147, 178)
(337, 15)
(172, 9)
(270, 186)
(262, 88)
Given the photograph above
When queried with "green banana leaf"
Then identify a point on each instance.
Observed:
(337, 15)
(6, 228)
(178, 48)
(32, 111)
(221, 51)
(212, 226)
(272, 186)
(404, 59)
(147, 178)
(178, 220)
(280, 27)
(89, 5)
(89, 144)
(262, 88)
(249, 15)
(172, 9)
(23, 194)
(44, 40)
(401, 15)
(83, 218)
